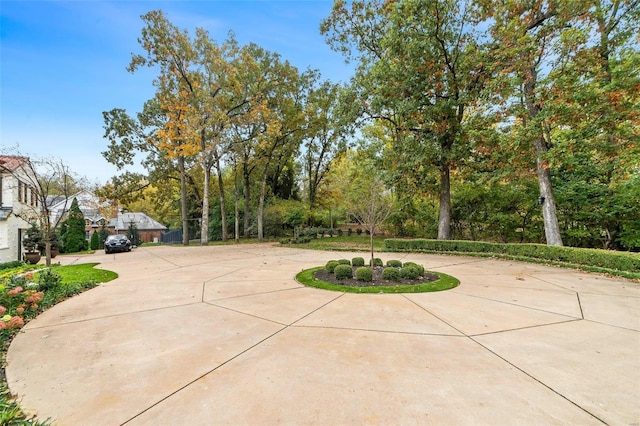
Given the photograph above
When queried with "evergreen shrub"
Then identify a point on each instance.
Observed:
(94, 242)
(364, 273)
(394, 263)
(377, 261)
(409, 272)
(391, 274)
(420, 268)
(620, 261)
(344, 262)
(331, 265)
(343, 271)
(357, 261)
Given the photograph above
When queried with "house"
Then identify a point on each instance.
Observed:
(96, 213)
(18, 204)
(149, 229)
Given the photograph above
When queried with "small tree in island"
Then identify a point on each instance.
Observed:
(370, 202)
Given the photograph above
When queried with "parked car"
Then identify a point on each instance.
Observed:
(115, 243)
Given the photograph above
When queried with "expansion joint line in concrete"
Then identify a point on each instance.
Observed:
(150, 252)
(537, 380)
(471, 338)
(202, 376)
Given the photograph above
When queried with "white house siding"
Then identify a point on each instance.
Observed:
(12, 229)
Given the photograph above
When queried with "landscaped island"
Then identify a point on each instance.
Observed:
(395, 277)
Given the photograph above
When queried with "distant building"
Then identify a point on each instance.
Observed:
(18, 202)
(96, 213)
(149, 229)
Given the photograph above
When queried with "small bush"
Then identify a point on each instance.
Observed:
(16, 281)
(409, 272)
(48, 279)
(359, 231)
(344, 262)
(349, 231)
(340, 232)
(285, 241)
(11, 264)
(331, 265)
(391, 274)
(420, 268)
(364, 273)
(377, 261)
(394, 263)
(357, 261)
(343, 271)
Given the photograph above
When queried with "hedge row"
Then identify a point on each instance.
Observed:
(611, 260)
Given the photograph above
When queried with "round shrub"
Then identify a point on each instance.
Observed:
(409, 272)
(364, 273)
(394, 263)
(331, 265)
(357, 261)
(377, 261)
(391, 274)
(343, 271)
(420, 268)
(344, 262)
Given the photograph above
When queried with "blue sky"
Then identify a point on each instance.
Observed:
(62, 63)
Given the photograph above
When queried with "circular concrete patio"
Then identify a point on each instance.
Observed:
(225, 335)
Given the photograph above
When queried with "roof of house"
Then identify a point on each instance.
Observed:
(141, 220)
(12, 162)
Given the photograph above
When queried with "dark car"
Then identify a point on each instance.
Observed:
(115, 243)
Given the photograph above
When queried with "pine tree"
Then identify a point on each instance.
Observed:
(94, 243)
(74, 238)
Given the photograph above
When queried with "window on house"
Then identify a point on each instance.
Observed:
(1, 190)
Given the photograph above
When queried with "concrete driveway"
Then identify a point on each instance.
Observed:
(225, 335)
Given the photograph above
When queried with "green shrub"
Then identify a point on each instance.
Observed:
(16, 281)
(343, 271)
(409, 272)
(394, 263)
(420, 268)
(11, 264)
(94, 242)
(344, 262)
(349, 232)
(285, 241)
(48, 279)
(612, 260)
(359, 231)
(331, 265)
(364, 273)
(340, 232)
(357, 261)
(377, 261)
(391, 274)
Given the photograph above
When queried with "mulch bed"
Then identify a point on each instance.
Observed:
(322, 274)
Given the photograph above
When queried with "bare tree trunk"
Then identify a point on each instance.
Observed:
(183, 202)
(247, 198)
(263, 190)
(550, 218)
(204, 226)
(551, 228)
(444, 216)
(223, 210)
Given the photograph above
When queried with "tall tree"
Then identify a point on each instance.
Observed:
(324, 138)
(421, 68)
